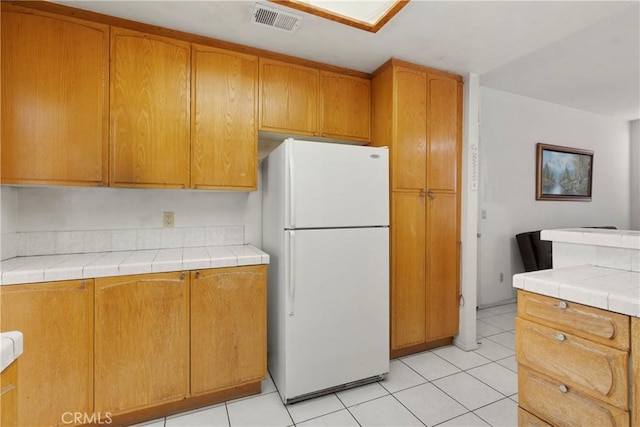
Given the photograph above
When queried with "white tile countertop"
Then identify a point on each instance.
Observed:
(32, 269)
(11, 348)
(601, 287)
(628, 239)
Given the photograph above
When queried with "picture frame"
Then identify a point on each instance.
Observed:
(563, 173)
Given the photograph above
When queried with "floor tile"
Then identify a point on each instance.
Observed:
(460, 358)
(502, 309)
(501, 413)
(467, 390)
(262, 410)
(385, 411)
(481, 314)
(401, 377)
(504, 322)
(492, 350)
(430, 404)
(361, 394)
(430, 366)
(467, 420)
(507, 339)
(154, 423)
(313, 408)
(340, 418)
(214, 416)
(484, 329)
(509, 363)
(498, 377)
(268, 385)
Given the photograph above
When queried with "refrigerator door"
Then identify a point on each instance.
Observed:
(336, 185)
(337, 308)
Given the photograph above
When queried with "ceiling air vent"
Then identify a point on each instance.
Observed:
(275, 18)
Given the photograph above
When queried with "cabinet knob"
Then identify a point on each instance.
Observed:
(562, 305)
(563, 388)
(430, 194)
(197, 274)
(560, 337)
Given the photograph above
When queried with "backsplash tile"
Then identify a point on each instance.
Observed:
(40, 243)
(90, 241)
(123, 240)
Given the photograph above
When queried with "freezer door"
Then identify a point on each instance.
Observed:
(337, 185)
(337, 319)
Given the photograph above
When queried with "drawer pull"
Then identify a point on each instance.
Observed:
(560, 337)
(563, 388)
(562, 305)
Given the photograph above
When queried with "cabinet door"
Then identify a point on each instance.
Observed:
(561, 405)
(443, 264)
(345, 106)
(224, 125)
(228, 328)
(443, 133)
(9, 395)
(54, 99)
(56, 368)
(594, 369)
(408, 273)
(150, 108)
(409, 154)
(141, 341)
(288, 98)
(635, 371)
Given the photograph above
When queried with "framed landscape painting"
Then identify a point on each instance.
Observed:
(563, 173)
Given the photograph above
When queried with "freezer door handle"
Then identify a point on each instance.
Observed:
(291, 288)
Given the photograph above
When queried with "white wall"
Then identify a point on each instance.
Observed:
(635, 174)
(80, 208)
(510, 127)
(8, 209)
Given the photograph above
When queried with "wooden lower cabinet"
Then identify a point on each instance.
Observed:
(56, 368)
(635, 371)
(141, 341)
(560, 405)
(9, 396)
(228, 327)
(570, 374)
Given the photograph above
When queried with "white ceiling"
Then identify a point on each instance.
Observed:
(584, 54)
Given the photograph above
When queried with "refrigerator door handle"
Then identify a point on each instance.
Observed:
(291, 289)
(292, 192)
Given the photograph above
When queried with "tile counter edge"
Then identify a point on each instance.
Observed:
(49, 268)
(599, 287)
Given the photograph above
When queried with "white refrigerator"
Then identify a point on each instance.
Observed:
(326, 229)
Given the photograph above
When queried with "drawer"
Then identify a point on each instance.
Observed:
(597, 325)
(635, 371)
(594, 369)
(564, 406)
(527, 419)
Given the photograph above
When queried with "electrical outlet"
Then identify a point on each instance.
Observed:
(168, 219)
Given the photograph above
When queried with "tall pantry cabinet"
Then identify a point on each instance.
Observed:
(417, 112)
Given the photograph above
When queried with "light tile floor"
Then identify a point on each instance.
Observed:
(442, 387)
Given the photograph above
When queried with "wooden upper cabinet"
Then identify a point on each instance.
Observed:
(288, 98)
(55, 372)
(228, 327)
(443, 127)
(345, 106)
(55, 101)
(150, 110)
(224, 127)
(141, 341)
(409, 155)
